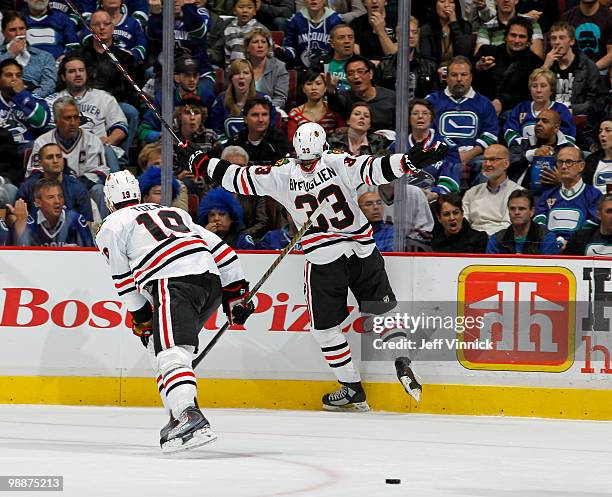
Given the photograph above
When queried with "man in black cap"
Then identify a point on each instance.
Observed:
(187, 86)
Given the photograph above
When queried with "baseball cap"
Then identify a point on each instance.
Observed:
(186, 65)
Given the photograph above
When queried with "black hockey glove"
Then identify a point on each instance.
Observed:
(233, 301)
(421, 156)
(192, 159)
(143, 331)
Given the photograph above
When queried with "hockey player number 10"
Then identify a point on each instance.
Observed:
(340, 206)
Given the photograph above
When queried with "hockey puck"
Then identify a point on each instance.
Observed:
(393, 481)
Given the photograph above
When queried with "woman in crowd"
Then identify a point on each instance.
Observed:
(454, 234)
(315, 110)
(444, 176)
(356, 138)
(446, 34)
(522, 119)
(226, 114)
(598, 169)
(270, 74)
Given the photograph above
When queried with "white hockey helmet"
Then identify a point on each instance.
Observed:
(309, 141)
(121, 187)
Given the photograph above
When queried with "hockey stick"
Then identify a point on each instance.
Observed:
(263, 279)
(126, 75)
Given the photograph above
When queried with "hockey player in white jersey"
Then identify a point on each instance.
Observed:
(339, 248)
(172, 275)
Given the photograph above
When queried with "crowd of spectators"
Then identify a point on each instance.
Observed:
(519, 90)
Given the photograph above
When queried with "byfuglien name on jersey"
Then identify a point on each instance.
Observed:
(319, 178)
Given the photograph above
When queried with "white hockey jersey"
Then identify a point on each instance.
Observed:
(146, 242)
(342, 228)
(99, 110)
(84, 158)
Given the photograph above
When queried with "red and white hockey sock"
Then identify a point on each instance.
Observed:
(179, 379)
(337, 354)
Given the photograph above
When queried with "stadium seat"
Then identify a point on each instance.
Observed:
(278, 37)
(26, 157)
(219, 80)
(193, 203)
(292, 92)
(580, 121)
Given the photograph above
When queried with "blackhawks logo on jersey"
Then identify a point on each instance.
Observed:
(281, 162)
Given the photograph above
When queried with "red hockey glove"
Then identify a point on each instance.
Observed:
(233, 301)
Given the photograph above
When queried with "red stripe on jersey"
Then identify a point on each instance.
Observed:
(243, 182)
(223, 254)
(317, 238)
(164, 304)
(126, 282)
(339, 356)
(179, 375)
(164, 254)
(333, 235)
(364, 235)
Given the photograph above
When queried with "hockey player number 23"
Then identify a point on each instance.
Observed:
(170, 219)
(340, 206)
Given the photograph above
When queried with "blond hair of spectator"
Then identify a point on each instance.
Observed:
(231, 99)
(148, 152)
(547, 74)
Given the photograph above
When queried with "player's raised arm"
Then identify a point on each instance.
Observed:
(380, 170)
(249, 180)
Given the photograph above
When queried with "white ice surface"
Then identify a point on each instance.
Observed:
(112, 451)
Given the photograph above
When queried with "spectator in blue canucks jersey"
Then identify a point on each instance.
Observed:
(307, 36)
(20, 112)
(598, 170)
(191, 25)
(466, 119)
(221, 213)
(50, 30)
(53, 164)
(278, 239)
(444, 176)
(571, 206)
(50, 225)
(522, 119)
(127, 33)
(595, 240)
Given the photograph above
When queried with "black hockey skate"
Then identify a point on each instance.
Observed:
(163, 433)
(189, 431)
(349, 397)
(407, 378)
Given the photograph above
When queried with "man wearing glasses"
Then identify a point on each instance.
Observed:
(573, 205)
(372, 207)
(538, 151)
(359, 74)
(485, 206)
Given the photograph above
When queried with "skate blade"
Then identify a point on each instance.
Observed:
(200, 437)
(412, 387)
(352, 407)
